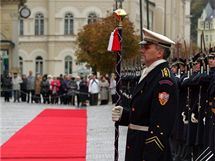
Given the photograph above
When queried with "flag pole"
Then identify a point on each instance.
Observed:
(120, 14)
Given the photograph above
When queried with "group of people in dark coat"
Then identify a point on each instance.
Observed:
(62, 89)
(194, 127)
(44, 89)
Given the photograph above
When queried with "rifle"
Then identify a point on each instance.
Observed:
(189, 73)
(206, 155)
(194, 119)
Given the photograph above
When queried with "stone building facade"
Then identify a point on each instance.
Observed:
(206, 23)
(47, 38)
(9, 16)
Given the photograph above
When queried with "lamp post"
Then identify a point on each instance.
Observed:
(120, 14)
(119, 3)
(147, 12)
(141, 20)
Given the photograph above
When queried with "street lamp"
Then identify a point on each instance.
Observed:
(147, 12)
(141, 20)
(120, 3)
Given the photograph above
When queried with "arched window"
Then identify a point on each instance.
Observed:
(21, 64)
(21, 27)
(69, 24)
(206, 38)
(68, 65)
(39, 65)
(92, 17)
(211, 25)
(206, 25)
(39, 24)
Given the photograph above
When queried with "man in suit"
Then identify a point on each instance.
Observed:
(153, 104)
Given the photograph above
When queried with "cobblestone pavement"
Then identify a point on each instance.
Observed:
(100, 128)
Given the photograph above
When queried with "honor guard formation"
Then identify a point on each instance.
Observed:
(168, 107)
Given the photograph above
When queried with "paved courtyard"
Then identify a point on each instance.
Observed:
(100, 128)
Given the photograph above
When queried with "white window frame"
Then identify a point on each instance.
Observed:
(92, 17)
(39, 24)
(68, 65)
(39, 65)
(69, 24)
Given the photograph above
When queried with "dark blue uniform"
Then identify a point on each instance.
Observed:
(153, 105)
(211, 106)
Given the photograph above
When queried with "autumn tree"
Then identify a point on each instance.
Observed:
(93, 40)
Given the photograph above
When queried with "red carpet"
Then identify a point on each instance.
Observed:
(54, 135)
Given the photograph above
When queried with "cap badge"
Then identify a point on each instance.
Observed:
(163, 98)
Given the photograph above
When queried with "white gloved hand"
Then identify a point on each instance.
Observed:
(204, 120)
(193, 118)
(117, 113)
(184, 118)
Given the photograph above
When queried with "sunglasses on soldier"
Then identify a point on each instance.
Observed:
(146, 46)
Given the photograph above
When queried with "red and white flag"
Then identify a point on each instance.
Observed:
(114, 41)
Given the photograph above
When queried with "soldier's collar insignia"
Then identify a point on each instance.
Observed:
(165, 72)
(163, 98)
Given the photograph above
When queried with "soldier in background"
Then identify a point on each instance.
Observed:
(112, 88)
(180, 150)
(211, 103)
(192, 114)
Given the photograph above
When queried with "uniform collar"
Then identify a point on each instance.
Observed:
(147, 70)
(156, 63)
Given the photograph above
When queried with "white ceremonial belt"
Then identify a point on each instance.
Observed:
(138, 127)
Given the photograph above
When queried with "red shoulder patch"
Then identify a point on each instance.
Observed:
(163, 98)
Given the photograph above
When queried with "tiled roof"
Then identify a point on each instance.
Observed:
(212, 2)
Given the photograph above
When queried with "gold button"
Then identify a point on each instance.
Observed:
(158, 126)
(161, 133)
(151, 132)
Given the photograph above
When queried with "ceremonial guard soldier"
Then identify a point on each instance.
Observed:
(203, 83)
(192, 113)
(211, 102)
(125, 88)
(153, 105)
(208, 153)
(180, 150)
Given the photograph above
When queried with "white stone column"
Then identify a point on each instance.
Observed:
(15, 40)
(187, 21)
(51, 31)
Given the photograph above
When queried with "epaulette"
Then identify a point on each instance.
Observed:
(165, 72)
